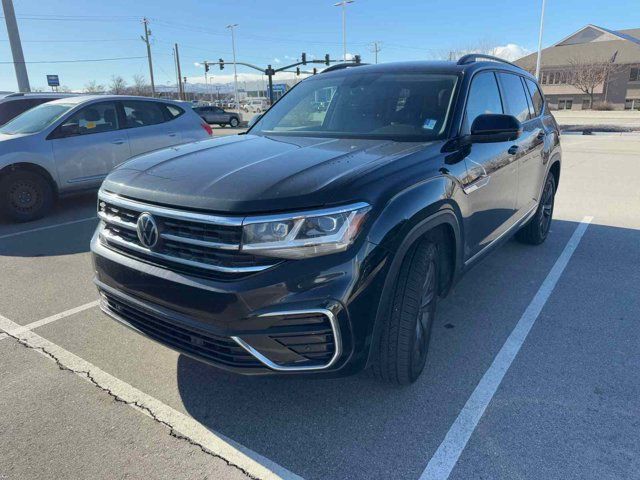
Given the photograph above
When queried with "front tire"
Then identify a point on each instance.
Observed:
(25, 196)
(537, 229)
(402, 351)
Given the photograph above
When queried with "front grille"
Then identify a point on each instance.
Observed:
(192, 243)
(214, 348)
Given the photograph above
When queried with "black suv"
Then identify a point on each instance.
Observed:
(321, 240)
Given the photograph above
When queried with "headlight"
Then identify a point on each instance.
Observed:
(303, 235)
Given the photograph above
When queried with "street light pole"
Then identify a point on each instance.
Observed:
(540, 41)
(344, 4)
(16, 46)
(235, 68)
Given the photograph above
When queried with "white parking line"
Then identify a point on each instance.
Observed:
(185, 426)
(53, 318)
(447, 454)
(46, 227)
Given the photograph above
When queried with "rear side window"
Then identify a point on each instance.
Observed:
(484, 97)
(536, 96)
(142, 114)
(13, 108)
(514, 96)
(172, 111)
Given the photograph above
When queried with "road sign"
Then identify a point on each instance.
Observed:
(280, 88)
(53, 80)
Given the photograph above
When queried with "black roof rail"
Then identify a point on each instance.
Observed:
(340, 66)
(473, 57)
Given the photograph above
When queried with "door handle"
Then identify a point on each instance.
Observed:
(172, 134)
(119, 141)
(541, 135)
(513, 149)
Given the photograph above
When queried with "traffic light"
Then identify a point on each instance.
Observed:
(221, 63)
(206, 67)
(357, 58)
(304, 58)
(326, 59)
(298, 71)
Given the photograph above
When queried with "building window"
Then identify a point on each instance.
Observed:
(565, 104)
(543, 79)
(634, 74)
(586, 104)
(632, 104)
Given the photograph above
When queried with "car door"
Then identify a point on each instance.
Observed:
(219, 116)
(89, 144)
(491, 185)
(148, 127)
(529, 145)
(532, 173)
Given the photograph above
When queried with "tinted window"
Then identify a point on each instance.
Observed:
(536, 96)
(13, 108)
(484, 97)
(36, 119)
(95, 118)
(514, 96)
(402, 106)
(172, 111)
(142, 114)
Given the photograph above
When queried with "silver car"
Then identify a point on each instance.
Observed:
(218, 115)
(69, 145)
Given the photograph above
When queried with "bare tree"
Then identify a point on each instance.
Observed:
(64, 89)
(587, 75)
(140, 86)
(93, 87)
(118, 85)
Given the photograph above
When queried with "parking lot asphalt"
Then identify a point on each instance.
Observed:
(564, 406)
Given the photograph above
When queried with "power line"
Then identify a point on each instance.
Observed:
(79, 61)
(76, 41)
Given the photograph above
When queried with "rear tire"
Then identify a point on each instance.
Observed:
(234, 122)
(537, 229)
(25, 196)
(404, 342)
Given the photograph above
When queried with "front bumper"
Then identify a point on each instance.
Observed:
(313, 316)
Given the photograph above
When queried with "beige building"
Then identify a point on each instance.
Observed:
(620, 90)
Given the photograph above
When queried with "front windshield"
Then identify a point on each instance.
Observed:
(36, 119)
(397, 106)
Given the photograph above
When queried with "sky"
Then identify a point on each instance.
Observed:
(276, 32)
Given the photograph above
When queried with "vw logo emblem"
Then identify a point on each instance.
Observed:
(147, 230)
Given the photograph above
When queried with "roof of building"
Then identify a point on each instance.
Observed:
(590, 43)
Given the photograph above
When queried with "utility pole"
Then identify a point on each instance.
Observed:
(16, 46)
(344, 4)
(235, 67)
(375, 48)
(145, 39)
(540, 41)
(180, 87)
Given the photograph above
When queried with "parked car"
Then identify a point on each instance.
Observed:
(218, 115)
(13, 104)
(69, 145)
(322, 244)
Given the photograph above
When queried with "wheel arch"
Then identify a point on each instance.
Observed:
(554, 169)
(31, 167)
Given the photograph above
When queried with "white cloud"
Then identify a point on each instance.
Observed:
(277, 60)
(511, 51)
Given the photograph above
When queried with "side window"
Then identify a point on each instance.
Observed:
(139, 113)
(514, 96)
(172, 111)
(94, 118)
(484, 97)
(536, 96)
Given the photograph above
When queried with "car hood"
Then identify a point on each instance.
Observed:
(252, 174)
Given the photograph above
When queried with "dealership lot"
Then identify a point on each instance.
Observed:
(566, 407)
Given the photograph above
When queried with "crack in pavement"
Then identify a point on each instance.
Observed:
(180, 426)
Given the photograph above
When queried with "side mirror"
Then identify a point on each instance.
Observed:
(68, 130)
(254, 120)
(495, 127)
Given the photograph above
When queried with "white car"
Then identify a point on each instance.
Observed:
(70, 145)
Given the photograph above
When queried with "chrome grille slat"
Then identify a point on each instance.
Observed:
(200, 242)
